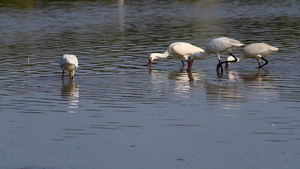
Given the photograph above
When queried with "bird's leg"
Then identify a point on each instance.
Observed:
(226, 62)
(258, 61)
(219, 57)
(182, 63)
(219, 64)
(218, 67)
(188, 63)
(62, 76)
(266, 62)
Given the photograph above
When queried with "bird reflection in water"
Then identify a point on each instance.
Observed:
(178, 83)
(262, 84)
(70, 91)
(240, 86)
(225, 95)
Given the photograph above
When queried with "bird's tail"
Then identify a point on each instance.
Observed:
(235, 43)
(272, 48)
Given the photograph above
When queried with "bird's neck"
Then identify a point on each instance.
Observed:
(200, 55)
(162, 55)
(239, 59)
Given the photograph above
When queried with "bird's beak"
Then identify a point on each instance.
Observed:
(149, 64)
(190, 65)
(71, 74)
(190, 76)
(226, 65)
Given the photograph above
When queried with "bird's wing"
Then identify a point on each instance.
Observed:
(186, 48)
(62, 61)
(233, 42)
(218, 45)
(260, 49)
(272, 48)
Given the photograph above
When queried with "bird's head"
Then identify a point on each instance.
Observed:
(230, 59)
(151, 58)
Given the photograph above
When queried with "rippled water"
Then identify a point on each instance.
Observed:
(117, 114)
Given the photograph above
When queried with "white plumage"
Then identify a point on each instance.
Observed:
(218, 46)
(182, 50)
(255, 51)
(69, 63)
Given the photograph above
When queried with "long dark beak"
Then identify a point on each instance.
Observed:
(149, 64)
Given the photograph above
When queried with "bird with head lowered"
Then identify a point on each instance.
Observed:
(69, 63)
(257, 51)
(217, 46)
(181, 50)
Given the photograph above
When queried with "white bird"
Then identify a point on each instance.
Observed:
(182, 50)
(69, 63)
(256, 51)
(218, 46)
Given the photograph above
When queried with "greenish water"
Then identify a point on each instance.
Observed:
(115, 114)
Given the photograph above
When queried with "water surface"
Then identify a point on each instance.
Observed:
(117, 114)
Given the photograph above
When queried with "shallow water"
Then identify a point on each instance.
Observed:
(117, 114)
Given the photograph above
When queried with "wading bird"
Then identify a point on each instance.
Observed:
(68, 63)
(217, 46)
(256, 51)
(182, 50)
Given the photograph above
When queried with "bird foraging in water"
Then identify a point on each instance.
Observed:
(69, 63)
(258, 51)
(182, 50)
(218, 46)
